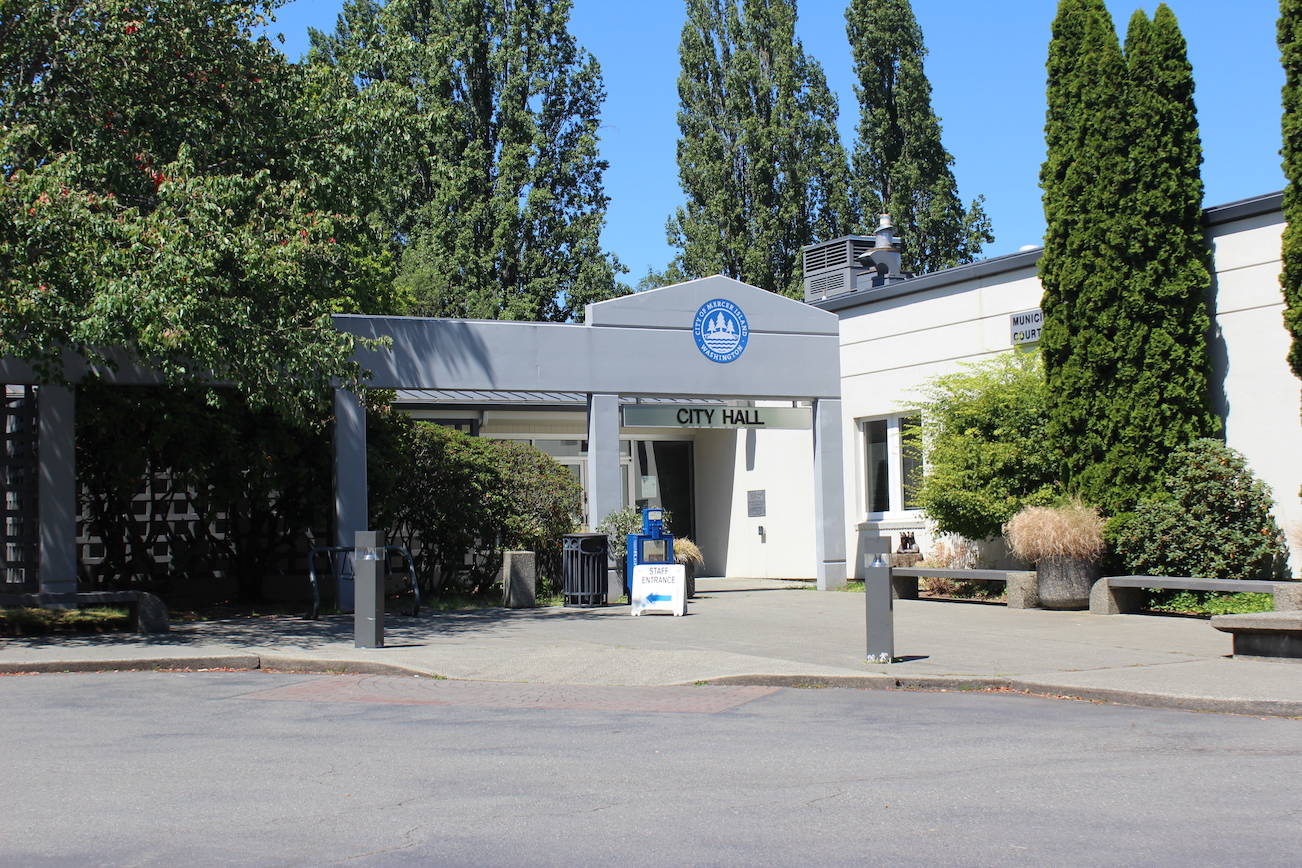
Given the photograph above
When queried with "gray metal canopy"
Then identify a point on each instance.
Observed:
(651, 343)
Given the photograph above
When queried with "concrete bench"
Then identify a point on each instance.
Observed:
(146, 610)
(1264, 635)
(1124, 595)
(1023, 592)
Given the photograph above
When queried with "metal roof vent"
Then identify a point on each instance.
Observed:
(883, 260)
(833, 267)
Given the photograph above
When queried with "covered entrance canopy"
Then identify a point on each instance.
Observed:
(709, 338)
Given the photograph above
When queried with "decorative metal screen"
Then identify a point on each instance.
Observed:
(18, 475)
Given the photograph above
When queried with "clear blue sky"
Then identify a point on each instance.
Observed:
(986, 66)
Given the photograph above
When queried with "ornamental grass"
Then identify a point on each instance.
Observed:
(1073, 530)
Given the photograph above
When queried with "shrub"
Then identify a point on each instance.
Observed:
(458, 501)
(1212, 520)
(983, 435)
(688, 553)
(1073, 530)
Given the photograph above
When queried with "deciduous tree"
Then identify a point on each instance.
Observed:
(759, 158)
(900, 165)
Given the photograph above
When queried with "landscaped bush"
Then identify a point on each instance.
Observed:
(1213, 520)
(983, 436)
(458, 501)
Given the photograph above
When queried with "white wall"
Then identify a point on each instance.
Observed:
(890, 347)
(1263, 399)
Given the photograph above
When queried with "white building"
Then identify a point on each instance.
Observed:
(899, 334)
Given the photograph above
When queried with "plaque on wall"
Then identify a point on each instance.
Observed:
(755, 504)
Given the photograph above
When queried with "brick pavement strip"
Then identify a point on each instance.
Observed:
(394, 690)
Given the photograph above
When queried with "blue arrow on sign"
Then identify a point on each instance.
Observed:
(658, 598)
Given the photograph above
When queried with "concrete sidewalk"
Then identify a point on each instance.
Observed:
(736, 631)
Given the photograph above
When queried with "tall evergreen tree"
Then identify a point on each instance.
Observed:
(1084, 179)
(759, 157)
(1290, 48)
(489, 110)
(900, 166)
(1162, 359)
(1125, 266)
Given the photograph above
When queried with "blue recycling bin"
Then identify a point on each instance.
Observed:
(654, 545)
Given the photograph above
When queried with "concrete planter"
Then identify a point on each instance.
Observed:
(1064, 583)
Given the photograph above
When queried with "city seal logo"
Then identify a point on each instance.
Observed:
(721, 330)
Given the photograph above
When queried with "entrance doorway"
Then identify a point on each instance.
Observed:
(664, 471)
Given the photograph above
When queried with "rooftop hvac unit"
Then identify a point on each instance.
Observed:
(832, 267)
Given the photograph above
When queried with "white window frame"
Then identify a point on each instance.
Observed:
(894, 468)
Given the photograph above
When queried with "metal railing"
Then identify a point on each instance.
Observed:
(346, 573)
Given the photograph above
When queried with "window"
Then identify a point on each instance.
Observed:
(892, 463)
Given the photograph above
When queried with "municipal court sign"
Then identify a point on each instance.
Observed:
(659, 588)
(1025, 326)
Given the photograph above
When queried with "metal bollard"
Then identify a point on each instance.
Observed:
(368, 583)
(880, 605)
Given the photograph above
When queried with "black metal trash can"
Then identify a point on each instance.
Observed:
(583, 568)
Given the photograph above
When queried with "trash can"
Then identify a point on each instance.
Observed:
(583, 568)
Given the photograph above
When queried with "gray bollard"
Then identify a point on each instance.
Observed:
(879, 602)
(368, 594)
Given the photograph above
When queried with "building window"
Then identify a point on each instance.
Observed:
(892, 463)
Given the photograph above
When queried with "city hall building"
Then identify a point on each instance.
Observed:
(769, 427)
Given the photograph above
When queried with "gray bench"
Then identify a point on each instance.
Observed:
(1023, 592)
(147, 612)
(1124, 595)
(1264, 635)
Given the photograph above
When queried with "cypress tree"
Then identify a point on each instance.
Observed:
(900, 165)
(1084, 181)
(759, 157)
(1163, 369)
(1290, 48)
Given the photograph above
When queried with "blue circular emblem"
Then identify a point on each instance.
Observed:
(721, 330)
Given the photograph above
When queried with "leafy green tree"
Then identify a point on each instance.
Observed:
(1124, 267)
(1211, 518)
(485, 116)
(165, 191)
(900, 165)
(1290, 47)
(983, 435)
(759, 158)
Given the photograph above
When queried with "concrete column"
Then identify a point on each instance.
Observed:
(350, 479)
(829, 496)
(605, 494)
(57, 489)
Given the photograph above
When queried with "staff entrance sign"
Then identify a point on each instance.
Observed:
(659, 588)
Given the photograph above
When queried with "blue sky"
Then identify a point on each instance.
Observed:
(986, 66)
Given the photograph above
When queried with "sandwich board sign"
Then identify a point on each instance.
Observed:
(659, 588)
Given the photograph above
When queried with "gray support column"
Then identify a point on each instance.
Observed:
(829, 496)
(350, 479)
(57, 489)
(605, 494)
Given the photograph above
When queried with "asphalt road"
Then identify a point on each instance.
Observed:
(256, 768)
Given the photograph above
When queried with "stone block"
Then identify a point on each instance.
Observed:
(519, 580)
(1264, 635)
(1023, 590)
(1107, 600)
(904, 587)
(1288, 596)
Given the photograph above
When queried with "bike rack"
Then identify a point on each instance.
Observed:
(346, 573)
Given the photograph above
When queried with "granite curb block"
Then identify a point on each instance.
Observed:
(312, 665)
(1252, 707)
(134, 664)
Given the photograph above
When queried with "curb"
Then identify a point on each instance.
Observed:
(139, 664)
(878, 681)
(1046, 690)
